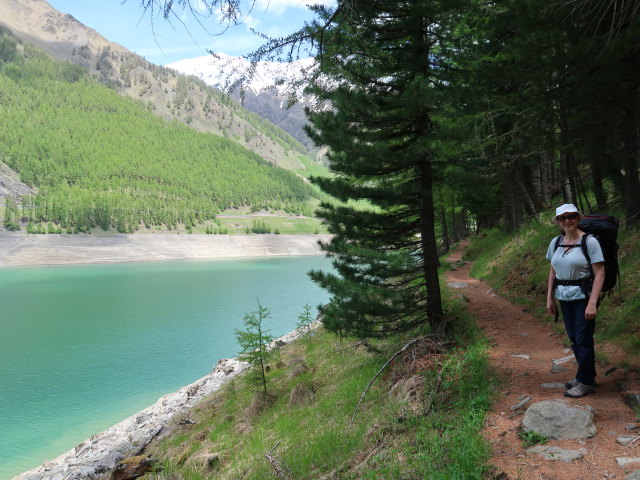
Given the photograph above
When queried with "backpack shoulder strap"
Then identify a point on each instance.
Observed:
(558, 239)
(585, 250)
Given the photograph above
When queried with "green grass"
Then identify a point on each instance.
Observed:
(284, 225)
(531, 438)
(432, 434)
(311, 168)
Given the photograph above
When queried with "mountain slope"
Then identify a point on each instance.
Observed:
(266, 92)
(100, 159)
(172, 96)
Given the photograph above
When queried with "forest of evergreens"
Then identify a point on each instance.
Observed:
(98, 159)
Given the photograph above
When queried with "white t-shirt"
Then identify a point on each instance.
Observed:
(572, 265)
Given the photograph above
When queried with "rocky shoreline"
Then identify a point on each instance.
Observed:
(20, 249)
(100, 453)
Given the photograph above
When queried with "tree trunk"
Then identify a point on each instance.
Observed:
(446, 242)
(430, 261)
(567, 160)
(525, 193)
(596, 182)
(630, 157)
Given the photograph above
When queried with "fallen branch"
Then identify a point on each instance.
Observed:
(393, 357)
(279, 468)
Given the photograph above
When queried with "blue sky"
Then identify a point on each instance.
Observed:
(184, 37)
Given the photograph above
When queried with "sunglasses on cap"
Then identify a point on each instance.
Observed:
(564, 218)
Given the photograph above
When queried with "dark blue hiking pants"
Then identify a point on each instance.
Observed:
(580, 332)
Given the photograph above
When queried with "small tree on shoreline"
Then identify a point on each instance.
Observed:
(254, 340)
(305, 319)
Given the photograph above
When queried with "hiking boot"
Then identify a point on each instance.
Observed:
(580, 390)
(571, 383)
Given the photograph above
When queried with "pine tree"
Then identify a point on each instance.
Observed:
(377, 73)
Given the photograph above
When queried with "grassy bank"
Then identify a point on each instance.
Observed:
(515, 266)
(421, 417)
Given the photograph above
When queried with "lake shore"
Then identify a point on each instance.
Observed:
(21, 249)
(97, 455)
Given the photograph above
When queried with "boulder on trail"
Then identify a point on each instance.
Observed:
(558, 420)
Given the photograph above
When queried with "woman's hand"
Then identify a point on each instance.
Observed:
(598, 280)
(551, 306)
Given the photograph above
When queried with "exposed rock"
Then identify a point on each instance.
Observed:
(632, 399)
(624, 461)
(556, 453)
(558, 420)
(458, 285)
(132, 468)
(633, 476)
(128, 438)
(520, 404)
(627, 439)
(10, 184)
(558, 385)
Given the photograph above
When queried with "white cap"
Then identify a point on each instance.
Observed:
(566, 208)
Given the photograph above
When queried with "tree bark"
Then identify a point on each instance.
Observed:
(430, 261)
(630, 156)
(446, 242)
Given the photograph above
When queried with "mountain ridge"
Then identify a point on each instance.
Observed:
(172, 95)
(273, 90)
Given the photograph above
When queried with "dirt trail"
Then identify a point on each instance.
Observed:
(521, 354)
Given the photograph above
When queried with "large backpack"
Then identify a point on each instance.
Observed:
(605, 229)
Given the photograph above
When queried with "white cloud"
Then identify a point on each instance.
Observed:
(252, 22)
(201, 6)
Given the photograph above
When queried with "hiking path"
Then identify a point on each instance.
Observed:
(522, 351)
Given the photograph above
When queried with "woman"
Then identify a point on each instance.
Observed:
(573, 284)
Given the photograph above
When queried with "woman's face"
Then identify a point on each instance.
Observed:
(568, 221)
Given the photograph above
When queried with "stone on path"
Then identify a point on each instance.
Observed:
(520, 404)
(627, 439)
(557, 453)
(558, 420)
(633, 476)
(553, 385)
(624, 461)
(458, 285)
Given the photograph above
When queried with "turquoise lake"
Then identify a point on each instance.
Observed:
(84, 347)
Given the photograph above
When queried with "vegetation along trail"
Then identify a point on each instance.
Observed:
(522, 350)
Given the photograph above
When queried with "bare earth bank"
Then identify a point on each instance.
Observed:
(18, 249)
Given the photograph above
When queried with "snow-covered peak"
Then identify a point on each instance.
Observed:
(224, 72)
